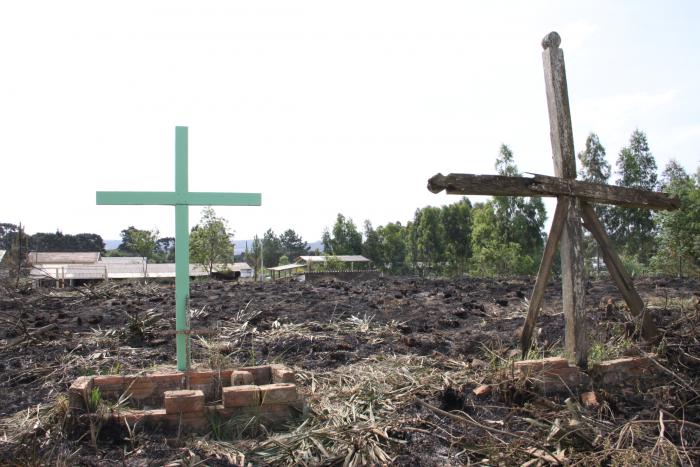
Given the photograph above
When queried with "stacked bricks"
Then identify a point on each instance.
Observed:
(554, 374)
(190, 399)
(625, 371)
(265, 392)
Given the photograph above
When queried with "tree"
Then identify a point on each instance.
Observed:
(392, 238)
(490, 254)
(372, 247)
(412, 252)
(254, 255)
(16, 243)
(431, 237)
(139, 242)
(633, 229)
(210, 241)
(457, 220)
(594, 166)
(7, 233)
(679, 230)
(517, 219)
(165, 250)
(272, 249)
(596, 169)
(59, 242)
(344, 240)
(292, 245)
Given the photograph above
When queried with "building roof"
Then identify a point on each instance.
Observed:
(286, 266)
(123, 259)
(112, 270)
(342, 258)
(240, 267)
(66, 257)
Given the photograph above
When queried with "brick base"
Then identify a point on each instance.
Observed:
(555, 374)
(192, 400)
(626, 371)
(552, 374)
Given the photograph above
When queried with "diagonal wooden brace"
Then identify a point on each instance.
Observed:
(550, 251)
(618, 272)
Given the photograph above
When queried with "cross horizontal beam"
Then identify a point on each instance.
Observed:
(171, 198)
(543, 185)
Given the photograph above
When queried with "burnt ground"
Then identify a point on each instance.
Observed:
(369, 357)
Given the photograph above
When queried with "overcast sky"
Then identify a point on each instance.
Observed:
(323, 107)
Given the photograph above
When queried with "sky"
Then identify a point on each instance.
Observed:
(324, 107)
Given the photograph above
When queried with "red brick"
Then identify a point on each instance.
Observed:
(272, 415)
(241, 396)
(622, 371)
(533, 366)
(134, 416)
(79, 392)
(282, 374)
(482, 391)
(552, 374)
(142, 388)
(196, 421)
(108, 380)
(261, 374)
(241, 378)
(184, 401)
(278, 393)
(200, 377)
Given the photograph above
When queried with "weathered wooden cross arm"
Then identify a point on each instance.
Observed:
(543, 185)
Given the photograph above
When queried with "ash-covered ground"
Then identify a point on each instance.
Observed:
(369, 357)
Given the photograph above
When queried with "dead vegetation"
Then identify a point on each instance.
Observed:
(387, 367)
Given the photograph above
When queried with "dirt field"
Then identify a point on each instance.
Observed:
(387, 366)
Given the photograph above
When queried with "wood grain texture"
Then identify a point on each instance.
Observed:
(544, 185)
(571, 246)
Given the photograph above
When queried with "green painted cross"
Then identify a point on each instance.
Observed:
(181, 198)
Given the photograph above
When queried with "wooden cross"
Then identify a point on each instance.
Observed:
(574, 199)
(181, 198)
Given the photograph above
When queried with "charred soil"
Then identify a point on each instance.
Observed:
(388, 368)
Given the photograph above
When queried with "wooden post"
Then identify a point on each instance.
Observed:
(550, 250)
(618, 272)
(573, 280)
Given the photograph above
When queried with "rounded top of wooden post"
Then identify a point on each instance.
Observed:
(553, 39)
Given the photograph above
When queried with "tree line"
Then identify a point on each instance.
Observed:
(505, 236)
(501, 236)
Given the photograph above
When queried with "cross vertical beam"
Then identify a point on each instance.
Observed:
(571, 246)
(182, 248)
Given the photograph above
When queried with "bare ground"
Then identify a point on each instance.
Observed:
(387, 366)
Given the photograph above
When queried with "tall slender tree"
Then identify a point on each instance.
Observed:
(518, 220)
(457, 219)
(633, 229)
(596, 169)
